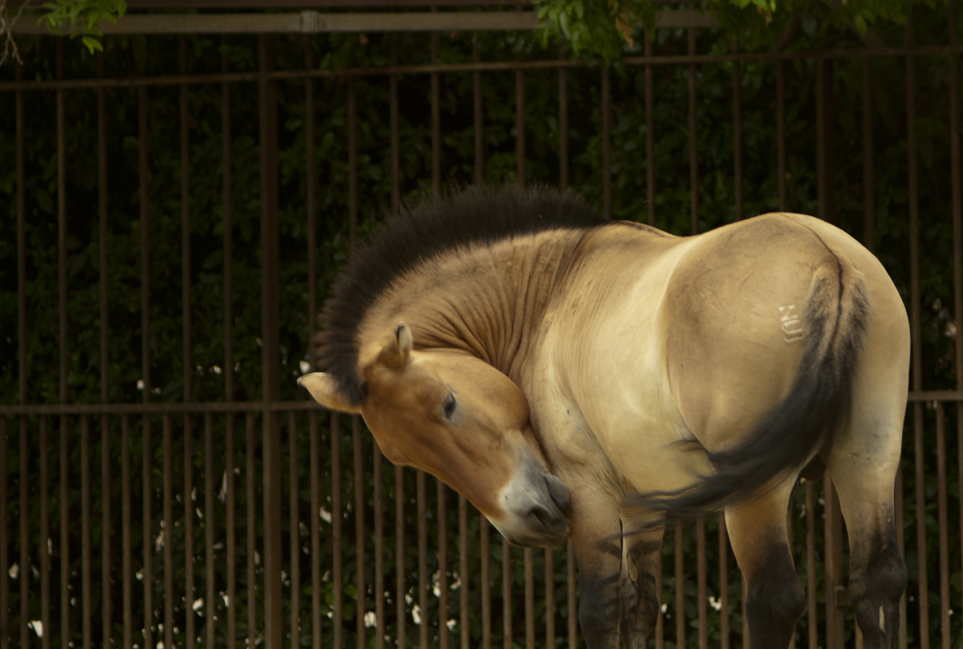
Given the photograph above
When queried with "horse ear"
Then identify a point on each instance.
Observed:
(396, 351)
(325, 391)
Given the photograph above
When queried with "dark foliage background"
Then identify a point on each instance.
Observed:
(156, 56)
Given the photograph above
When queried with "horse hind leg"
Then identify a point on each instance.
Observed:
(641, 554)
(775, 599)
(877, 573)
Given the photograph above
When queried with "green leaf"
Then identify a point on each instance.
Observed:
(93, 45)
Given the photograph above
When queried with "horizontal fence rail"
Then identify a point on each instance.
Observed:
(169, 487)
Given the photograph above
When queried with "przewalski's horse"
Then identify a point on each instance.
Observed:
(569, 375)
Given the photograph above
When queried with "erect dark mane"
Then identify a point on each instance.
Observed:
(479, 216)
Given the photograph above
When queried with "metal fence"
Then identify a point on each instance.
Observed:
(209, 521)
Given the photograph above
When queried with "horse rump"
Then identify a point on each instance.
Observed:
(803, 423)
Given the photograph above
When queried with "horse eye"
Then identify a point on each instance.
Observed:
(449, 405)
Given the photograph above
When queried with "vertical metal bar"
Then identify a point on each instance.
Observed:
(959, 462)
(210, 604)
(811, 565)
(144, 193)
(957, 234)
(62, 220)
(393, 125)
(944, 526)
(606, 142)
(900, 542)
(825, 134)
(189, 633)
(168, 532)
(230, 547)
(337, 607)
(226, 207)
(45, 548)
(917, 363)
(442, 568)
(271, 362)
(24, 479)
(649, 136)
(562, 123)
(920, 479)
(820, 148)
(745, 619)
(834, 568)
(422, 560)
(679, 590)
(477, 99)
(737, 132)
(485, 583)
(21, 250)
(781, 131)
(85, 528)
(314, 522)
(62, 297)
(693, 143)
(251, 483)
(186, 349)
(4, 541)
(21, 342)
(956, 203)
(723, 583)
(295, 540)
(701, 582)
(125, 530)
(352, 168)
(520, 126)
(147, 535)
(507, 639)
(65, 635)
(401, 612)
(660, 618)
(529, 599)
(185, 226)
(106, 526)
(869, 190)
(463, 576)
(379, 585)
(361, 606)
(435, 120)
(549, 597)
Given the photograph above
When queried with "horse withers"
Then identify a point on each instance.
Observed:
(572, 376)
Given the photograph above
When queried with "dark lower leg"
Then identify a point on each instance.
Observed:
(774, 600)
(639, 596)
(877, 581)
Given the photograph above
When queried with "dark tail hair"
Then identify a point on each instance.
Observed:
(816, 407)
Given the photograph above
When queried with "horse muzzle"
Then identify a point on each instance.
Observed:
(536, 506)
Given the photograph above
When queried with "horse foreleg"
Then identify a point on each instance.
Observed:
(641, 554)
(774, 597)
(596, 538)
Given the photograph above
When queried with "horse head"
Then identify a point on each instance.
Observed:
(461, 420)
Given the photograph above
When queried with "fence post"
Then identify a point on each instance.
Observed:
(267, 91)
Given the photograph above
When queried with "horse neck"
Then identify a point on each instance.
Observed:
(489, 301)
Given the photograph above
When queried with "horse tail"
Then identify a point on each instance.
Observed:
(804, 422)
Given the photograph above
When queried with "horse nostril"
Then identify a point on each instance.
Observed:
(542, 515)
